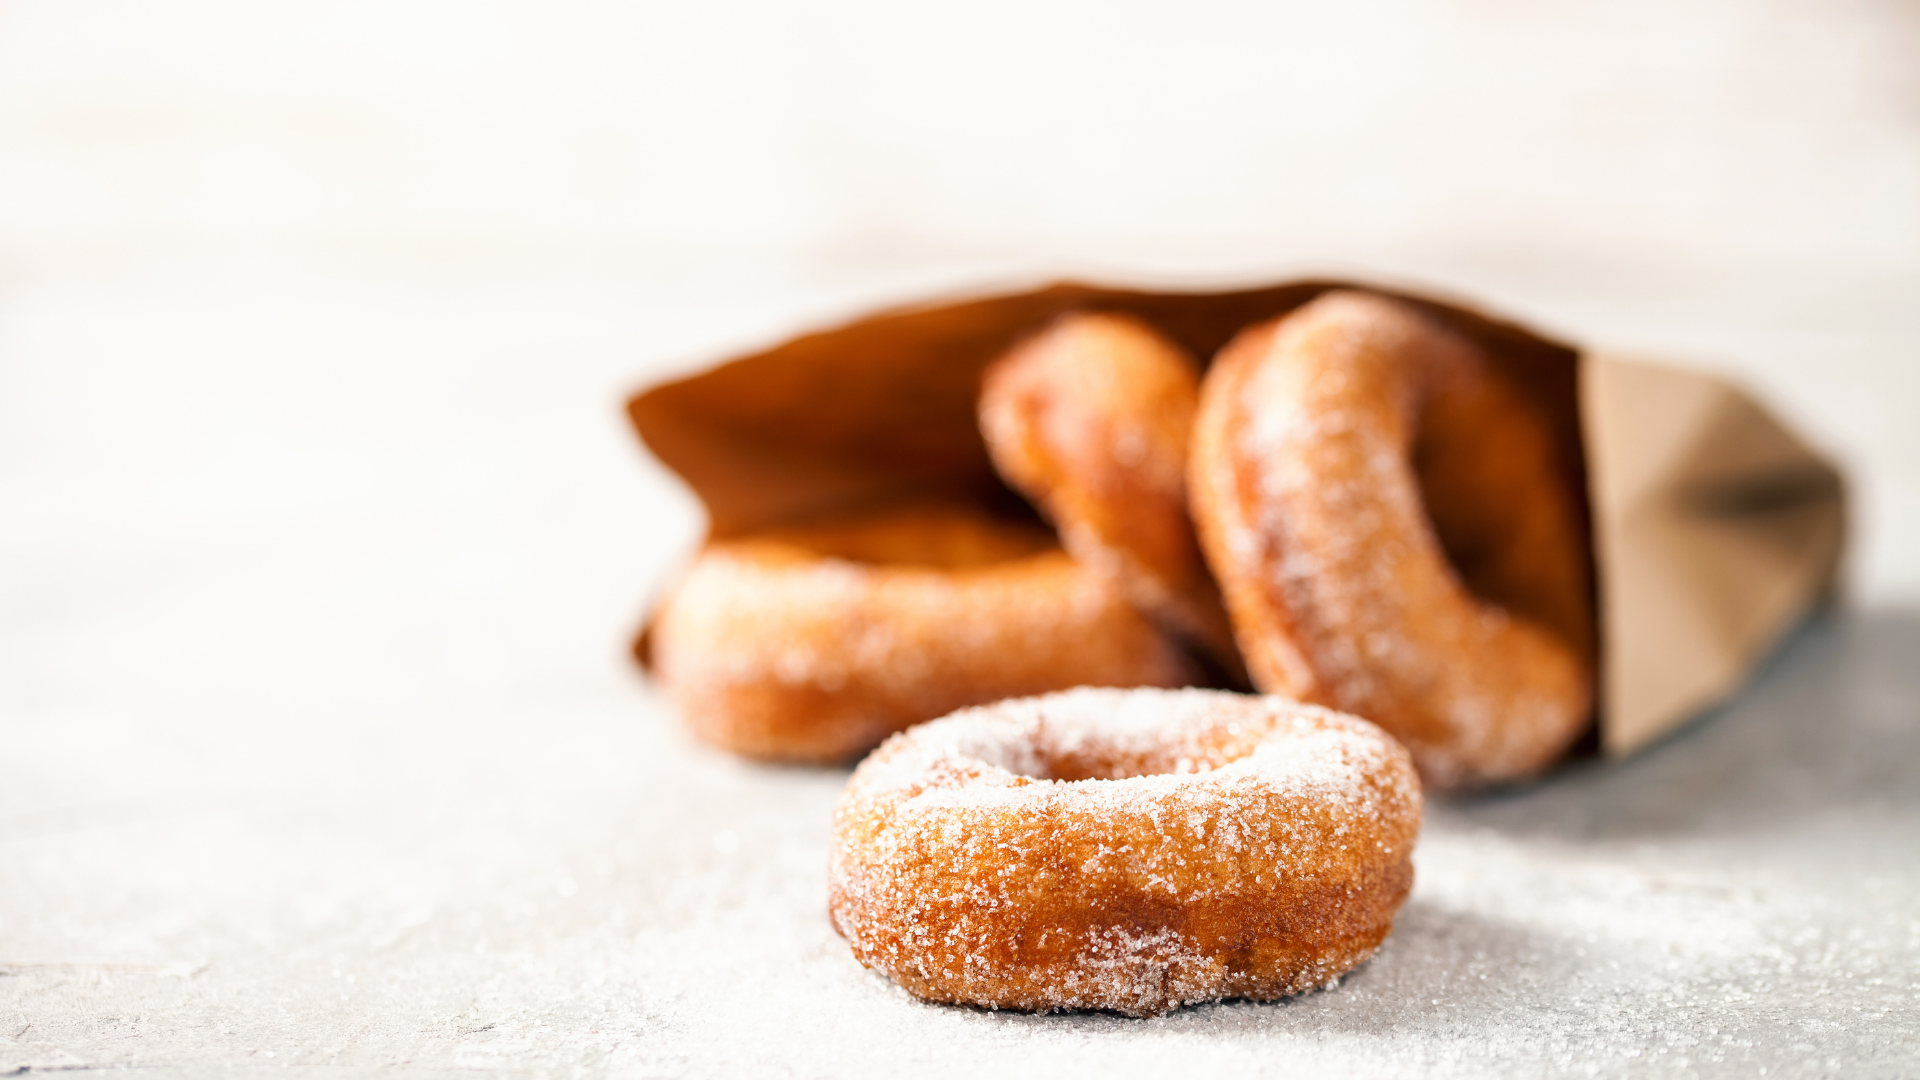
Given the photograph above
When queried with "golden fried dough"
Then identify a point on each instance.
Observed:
(1128, 850)
(1343, 453)
(1090, 420)
(813, 644)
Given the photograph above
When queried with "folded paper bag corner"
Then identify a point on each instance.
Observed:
(1715, 529)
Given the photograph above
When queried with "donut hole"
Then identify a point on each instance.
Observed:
(1070, 764)
(1115, 763)
(1459, 508)
(932, 536)
(1479, 454)
(1106, 734)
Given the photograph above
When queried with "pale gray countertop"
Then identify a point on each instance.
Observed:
(577, 891)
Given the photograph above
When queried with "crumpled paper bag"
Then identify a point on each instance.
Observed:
(1714, 527)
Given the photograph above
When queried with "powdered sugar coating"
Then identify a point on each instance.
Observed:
(1130, 850)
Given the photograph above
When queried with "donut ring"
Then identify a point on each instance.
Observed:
(1325, 440)
(812, 644)
(1128, 850)
(1090, 419)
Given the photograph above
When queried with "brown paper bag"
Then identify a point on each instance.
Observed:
(1714, 527)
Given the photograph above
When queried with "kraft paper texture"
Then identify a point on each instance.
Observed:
(1714, 528)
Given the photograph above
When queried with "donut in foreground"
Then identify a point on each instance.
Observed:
(1126, 850)
(1393, 538)
(1090, 419)
(812, 644)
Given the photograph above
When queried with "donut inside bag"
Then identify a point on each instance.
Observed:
(813, 642)
(1384, 513)
(1090, 419)
(1384, 507)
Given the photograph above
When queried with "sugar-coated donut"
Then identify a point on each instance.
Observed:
(1341, 455)
(1090, 419)
(812, 644)
(1127, 850)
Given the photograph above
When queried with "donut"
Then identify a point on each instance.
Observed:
(1124, 850)
(1090, 419)
(813, 643)
(1384, 514)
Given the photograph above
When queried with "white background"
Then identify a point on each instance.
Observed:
(315, 319)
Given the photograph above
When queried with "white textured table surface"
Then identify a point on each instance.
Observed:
(574, 891)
